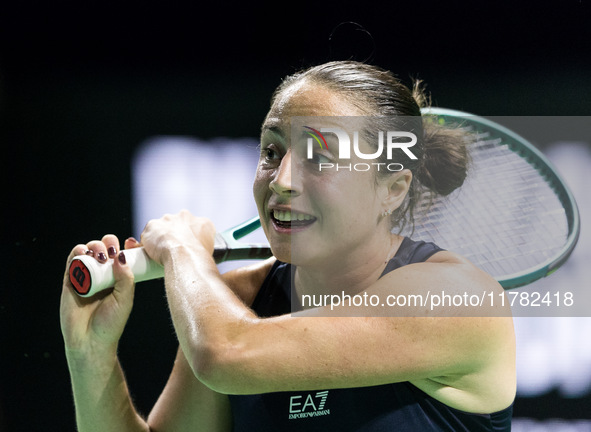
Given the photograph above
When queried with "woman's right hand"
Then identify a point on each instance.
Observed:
(94, 325)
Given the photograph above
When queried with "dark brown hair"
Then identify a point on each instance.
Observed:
(442, 158)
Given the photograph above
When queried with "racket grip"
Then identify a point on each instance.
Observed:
(88, 276)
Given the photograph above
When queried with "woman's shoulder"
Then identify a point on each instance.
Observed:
(413, 251)
(437, 271)
(245, 282)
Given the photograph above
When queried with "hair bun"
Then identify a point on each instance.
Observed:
(445, 162)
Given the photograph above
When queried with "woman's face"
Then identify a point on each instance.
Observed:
(311, 216)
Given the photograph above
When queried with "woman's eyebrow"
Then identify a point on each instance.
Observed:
(275, 129)
(271, 128)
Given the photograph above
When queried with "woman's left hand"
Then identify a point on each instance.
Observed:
(172, 231)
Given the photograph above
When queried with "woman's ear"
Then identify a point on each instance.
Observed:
(398, 186)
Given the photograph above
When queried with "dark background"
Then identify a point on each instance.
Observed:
(83, 83)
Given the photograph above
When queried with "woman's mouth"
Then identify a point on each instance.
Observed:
(286, 219)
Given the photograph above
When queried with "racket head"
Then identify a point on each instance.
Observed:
(514, 217)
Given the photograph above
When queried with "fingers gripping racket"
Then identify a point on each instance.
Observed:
(88, 276)
(514, 217)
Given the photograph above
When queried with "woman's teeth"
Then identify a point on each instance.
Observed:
(289, 216)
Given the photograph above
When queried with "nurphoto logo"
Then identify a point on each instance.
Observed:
(389, 141)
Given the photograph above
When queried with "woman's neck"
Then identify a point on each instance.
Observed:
(351, 274)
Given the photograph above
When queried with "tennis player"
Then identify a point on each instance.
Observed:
(253, 355)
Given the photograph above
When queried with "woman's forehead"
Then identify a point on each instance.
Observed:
(308, 100)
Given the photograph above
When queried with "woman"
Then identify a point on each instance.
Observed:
(245, 363)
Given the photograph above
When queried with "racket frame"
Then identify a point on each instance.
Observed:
(536, 158)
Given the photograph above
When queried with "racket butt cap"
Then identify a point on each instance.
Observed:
(80, 277)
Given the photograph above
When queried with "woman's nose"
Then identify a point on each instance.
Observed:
(284, 183)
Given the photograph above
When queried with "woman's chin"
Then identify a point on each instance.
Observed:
(291, 255)
(282, 252)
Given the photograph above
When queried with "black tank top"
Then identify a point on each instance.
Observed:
(389, 407)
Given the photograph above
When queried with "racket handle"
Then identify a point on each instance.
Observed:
(89, 277)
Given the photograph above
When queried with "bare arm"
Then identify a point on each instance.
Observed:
(233, 351)
(186, 404)
(91, 330)
(101, 397)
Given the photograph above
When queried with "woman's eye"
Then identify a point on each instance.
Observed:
(270, 154)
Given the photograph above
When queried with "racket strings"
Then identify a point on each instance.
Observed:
(506, 216)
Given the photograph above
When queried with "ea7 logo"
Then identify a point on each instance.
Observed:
(309, 405)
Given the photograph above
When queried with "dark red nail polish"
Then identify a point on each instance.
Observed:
(89, 252)
(121, 258)
(112, 251)
(101, 257)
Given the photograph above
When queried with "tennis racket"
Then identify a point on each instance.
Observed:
(514, 217)
(89, 277)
